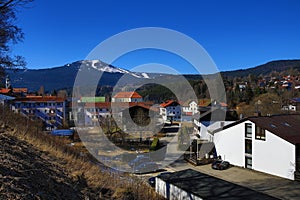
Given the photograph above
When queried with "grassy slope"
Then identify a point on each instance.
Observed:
(34, 165)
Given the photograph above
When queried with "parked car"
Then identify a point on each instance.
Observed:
(146, 167)
(220, 165)
(139, 160)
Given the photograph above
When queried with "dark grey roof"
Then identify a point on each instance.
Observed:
(209, 187)
(285, 126)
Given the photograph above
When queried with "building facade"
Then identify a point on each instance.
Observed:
(267, 144)
(190, 108)
(51, 110)
(170, 111)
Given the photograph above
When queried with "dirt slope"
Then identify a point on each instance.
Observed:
(27, 173)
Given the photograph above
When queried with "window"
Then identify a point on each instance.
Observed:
(260, 133)
(248, 162)
(248, 130)
(248, 146)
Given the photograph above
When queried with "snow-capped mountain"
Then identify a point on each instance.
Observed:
(104, 67)
(64, 76)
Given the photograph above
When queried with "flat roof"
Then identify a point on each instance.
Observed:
(209, 187)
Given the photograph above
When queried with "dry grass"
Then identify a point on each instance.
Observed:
(102, 184)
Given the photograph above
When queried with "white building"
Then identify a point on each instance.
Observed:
(170, 111)
(268, 144)
(190, 108)
(206, 129)
(291, 104)
(210, 119)
(89, 114)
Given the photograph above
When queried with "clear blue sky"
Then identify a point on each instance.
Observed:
(236, 34)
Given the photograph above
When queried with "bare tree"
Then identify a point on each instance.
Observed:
(10, 34)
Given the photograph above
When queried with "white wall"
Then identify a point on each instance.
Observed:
(230, 144)
(127, 99)
(206, 132)
(177, 193)
(161, 187)
(192, 107)
(204, 135)
(163, 113)
(274, 156)
(174, 192)
(120, 99)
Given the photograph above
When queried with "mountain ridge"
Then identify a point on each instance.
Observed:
(266, 68)
(63, 76)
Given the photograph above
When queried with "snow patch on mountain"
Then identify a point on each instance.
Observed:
(104, 67)
(145, 75)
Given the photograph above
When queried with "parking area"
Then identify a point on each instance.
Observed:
(271, 185)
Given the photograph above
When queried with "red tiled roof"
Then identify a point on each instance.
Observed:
(4, 90)
(223, 104)
(127, 95)
(143, 105)
(41, 99)
(97, 105)
(20, 90)
(120, 105)
(188, 113)
(168, 103)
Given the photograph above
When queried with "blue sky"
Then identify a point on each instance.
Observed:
(236, 34)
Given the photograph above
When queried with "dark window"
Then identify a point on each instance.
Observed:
(248, 146)
(260, 133)
(248, 130)
(248, 162)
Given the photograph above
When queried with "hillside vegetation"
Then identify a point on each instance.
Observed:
(265, 69)
(34, 165)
